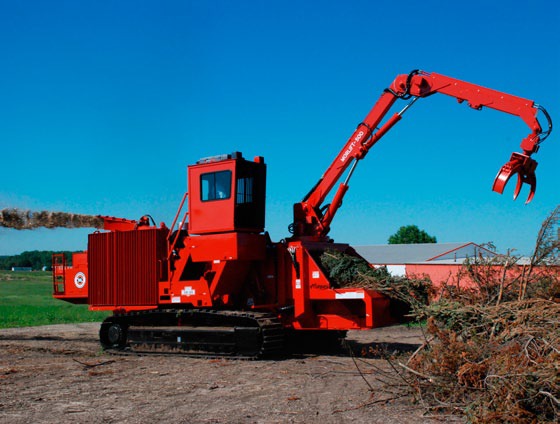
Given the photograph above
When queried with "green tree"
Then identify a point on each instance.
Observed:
(411, 234)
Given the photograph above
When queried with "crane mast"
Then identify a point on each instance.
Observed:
(312, 220)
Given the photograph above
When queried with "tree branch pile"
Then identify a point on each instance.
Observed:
(346, 270)
(499, 363)
(494, 350)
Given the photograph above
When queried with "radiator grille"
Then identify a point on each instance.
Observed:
(125, 267)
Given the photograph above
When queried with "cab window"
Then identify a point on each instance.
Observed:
(215, 186)
(244, 190)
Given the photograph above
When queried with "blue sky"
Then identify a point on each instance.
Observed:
(104, 104)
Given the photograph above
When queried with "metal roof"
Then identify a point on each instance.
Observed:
(386, 254)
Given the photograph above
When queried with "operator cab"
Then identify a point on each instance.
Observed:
(227, 194)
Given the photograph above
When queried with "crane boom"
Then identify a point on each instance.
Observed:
(312, 220)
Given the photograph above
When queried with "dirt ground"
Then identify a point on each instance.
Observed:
(57, 374)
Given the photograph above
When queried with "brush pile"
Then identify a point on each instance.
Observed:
(28, 220)
(497, 363)
(493, 352)
(346, 270)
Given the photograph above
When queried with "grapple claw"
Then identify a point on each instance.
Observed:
(518, 186)
(524, 167)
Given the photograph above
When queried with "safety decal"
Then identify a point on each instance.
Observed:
(349, 295)
(188, 291)
(80, 280)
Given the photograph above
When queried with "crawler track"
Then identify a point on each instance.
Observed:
(194, 332)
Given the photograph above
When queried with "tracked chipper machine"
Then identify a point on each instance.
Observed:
(214, 283)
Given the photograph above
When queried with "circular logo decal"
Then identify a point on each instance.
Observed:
(80, 280)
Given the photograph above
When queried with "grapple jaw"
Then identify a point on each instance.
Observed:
(524, 167)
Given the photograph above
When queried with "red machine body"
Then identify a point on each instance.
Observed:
(221, 262)
(216, 256)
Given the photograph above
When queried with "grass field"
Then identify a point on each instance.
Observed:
(26, 300)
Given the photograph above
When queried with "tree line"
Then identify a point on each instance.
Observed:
(36, 260)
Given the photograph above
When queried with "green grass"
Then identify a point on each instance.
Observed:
(26, 300)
